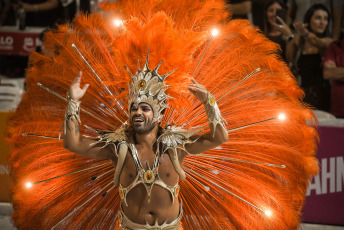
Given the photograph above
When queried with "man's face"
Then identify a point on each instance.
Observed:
(141, 118)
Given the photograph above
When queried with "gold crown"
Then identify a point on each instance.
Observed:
(147, 86)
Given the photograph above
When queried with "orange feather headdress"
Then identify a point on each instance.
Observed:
(257, 180)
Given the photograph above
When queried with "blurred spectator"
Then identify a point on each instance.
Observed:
(42, 49)
(241, 9)
(66, 2)
(72, 7)
(308, 48)
(66, 11)
(334, 70)
(337, 20)
(7, 13)
(297, 10)
(258, 13)
(275, 27)
(13, 66)
(69, 9)
(41, 13)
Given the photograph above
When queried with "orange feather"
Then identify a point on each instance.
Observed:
(177, 32)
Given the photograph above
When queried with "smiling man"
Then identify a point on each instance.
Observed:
(147, 157)
(142, 116)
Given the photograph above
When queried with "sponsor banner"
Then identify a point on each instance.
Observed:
(19, 42)
(325, 196)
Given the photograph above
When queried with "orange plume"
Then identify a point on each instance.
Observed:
(257, 180)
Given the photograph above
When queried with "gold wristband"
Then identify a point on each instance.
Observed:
(213, 113)
(73, 109)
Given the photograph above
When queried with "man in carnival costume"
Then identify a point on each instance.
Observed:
(143, 132)
(139, 174)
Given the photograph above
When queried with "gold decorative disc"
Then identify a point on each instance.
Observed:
(211, 100)
(120, 218)
(121, 194)
(176, 191)
(149, 176)
(142, 84)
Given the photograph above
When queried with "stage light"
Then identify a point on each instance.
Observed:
(282, 117)
(268, 213)
(28, 184)
(117, 22)
(214, 32)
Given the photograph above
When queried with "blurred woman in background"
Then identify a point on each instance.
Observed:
(307, 50)
(275, 27)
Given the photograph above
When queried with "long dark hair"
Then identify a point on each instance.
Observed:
(309, 14)
(267, 26)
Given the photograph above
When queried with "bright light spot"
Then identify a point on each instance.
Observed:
(28, 184)
(214, 32)
(268, 213)
(206, 188)
(215, 172)
(117, 22)
(282, 117)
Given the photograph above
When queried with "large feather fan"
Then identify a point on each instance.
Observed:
(257, 180)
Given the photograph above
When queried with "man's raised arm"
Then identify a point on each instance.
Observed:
(71, 139)
(218, 133)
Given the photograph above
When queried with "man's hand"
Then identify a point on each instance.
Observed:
(75, 92)
(198, 90)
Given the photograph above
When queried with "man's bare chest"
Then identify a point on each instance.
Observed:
(165, 169)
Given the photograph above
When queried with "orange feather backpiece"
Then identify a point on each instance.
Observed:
(257, 180)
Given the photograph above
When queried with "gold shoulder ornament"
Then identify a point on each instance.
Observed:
(120, 141)
(213, 113)
(174, 138)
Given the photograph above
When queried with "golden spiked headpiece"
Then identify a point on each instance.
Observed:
(148, 86)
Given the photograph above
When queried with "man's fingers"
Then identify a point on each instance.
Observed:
(194, 81)
(192, 90)
(198, 86)
(85, 88)
(77, 79)
(197, 89)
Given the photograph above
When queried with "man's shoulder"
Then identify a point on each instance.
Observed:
(176, 137)
(121, 134)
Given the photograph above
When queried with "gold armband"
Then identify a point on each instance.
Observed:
(213, 113)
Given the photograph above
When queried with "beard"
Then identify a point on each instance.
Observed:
(144, 128)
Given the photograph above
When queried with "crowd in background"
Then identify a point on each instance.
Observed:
(311, 37)
(310, 34)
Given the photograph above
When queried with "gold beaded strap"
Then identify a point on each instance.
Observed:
(213, 113)
(73, 109)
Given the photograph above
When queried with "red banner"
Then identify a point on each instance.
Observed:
(325, 196)
(15, 42)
